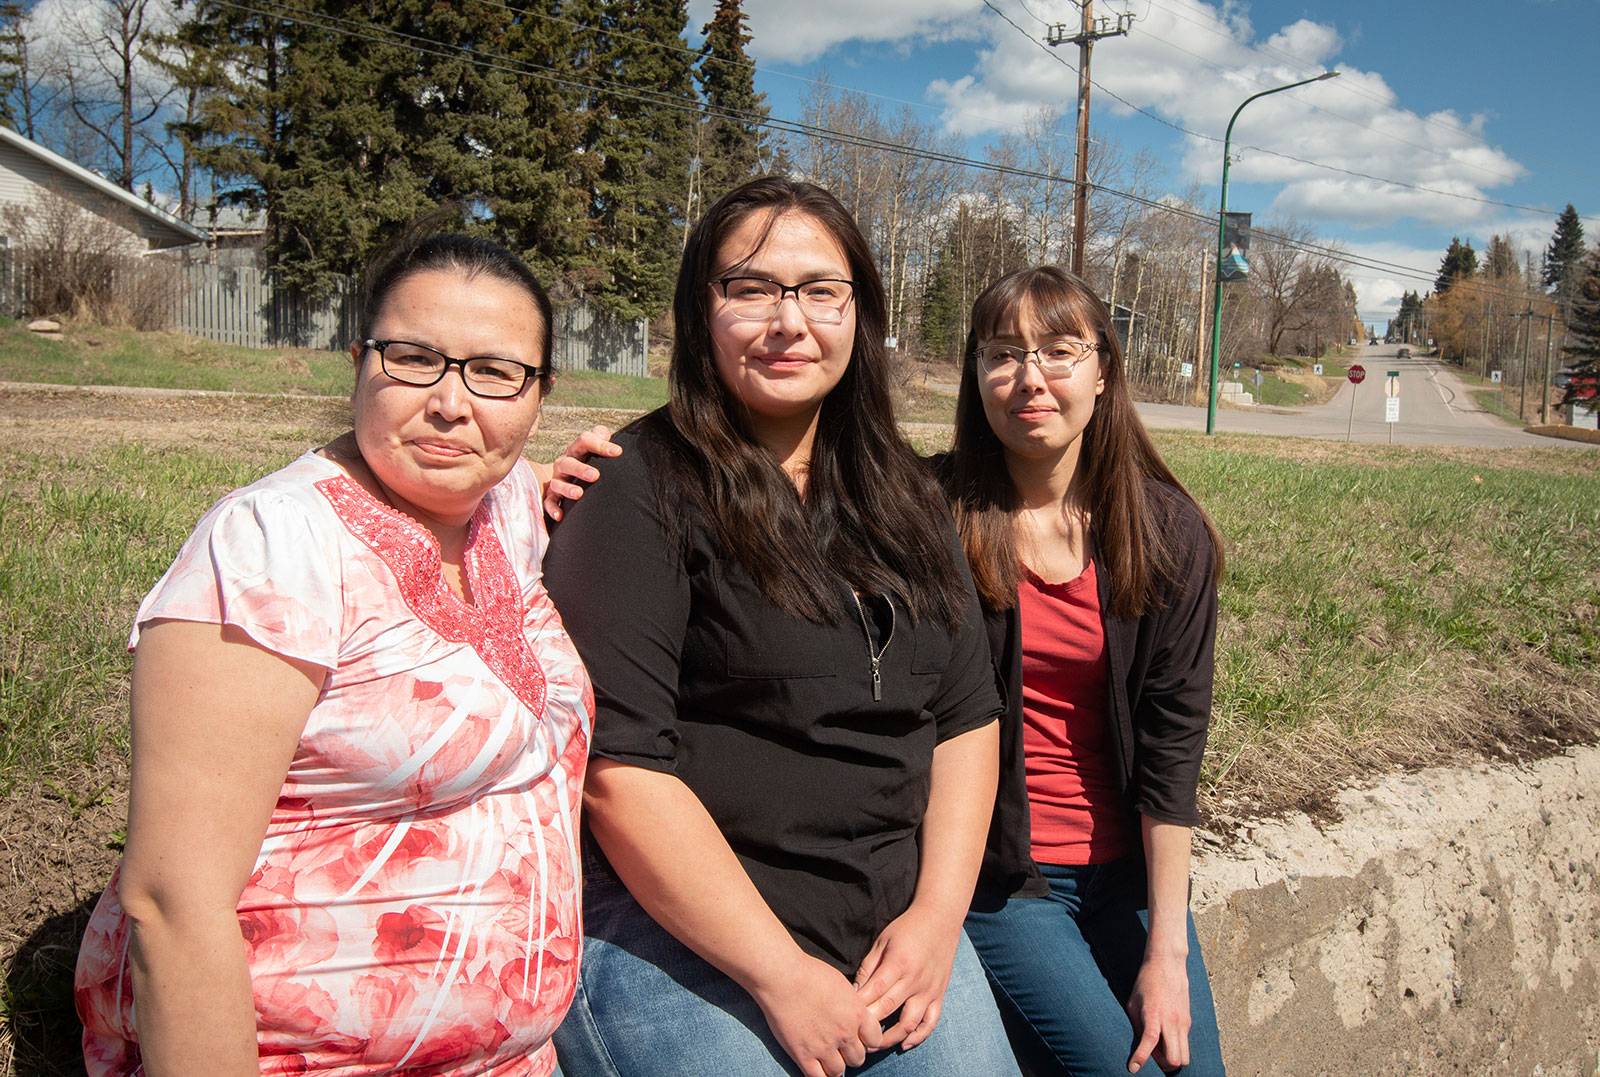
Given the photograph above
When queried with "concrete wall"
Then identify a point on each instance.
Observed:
(1448, 924)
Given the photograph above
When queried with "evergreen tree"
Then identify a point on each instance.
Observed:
(1500, 261)
(1408, 318)
(979, 246)
(1563, 259)
(1583, 347)
(641, 118)
(13, 60)
(733, 146)
(544, 208)
(1460, 263)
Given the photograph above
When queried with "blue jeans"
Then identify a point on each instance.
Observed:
(1062, 967)
(648, 1006)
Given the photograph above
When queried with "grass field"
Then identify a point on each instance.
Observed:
(1384, 607)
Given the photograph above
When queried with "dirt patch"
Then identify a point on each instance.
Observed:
(1447, 925)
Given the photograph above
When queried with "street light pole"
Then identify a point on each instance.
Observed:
(1222, 224)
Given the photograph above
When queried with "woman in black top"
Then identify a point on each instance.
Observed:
(795, 748)
(1098, 575)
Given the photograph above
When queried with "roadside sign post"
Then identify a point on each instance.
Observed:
(1391, 405)
(1355, 374)
(1392, 402)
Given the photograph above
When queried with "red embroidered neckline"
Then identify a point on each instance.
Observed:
(492, 627)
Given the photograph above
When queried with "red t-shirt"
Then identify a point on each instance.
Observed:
(1074, 803)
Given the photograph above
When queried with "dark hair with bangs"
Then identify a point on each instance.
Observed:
(1116, 456)
(471, 256)
(871, 513)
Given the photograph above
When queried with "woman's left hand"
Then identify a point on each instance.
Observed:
(908, 969)
(1159, 1010)
(569, 468)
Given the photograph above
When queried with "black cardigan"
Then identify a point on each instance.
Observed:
(1159, 676)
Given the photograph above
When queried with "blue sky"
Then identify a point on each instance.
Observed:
(1492, 102)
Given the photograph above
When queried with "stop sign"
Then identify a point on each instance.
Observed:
(1357, 372)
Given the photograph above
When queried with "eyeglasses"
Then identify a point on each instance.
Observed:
(1057, 359)
(755, 299)
(483, 375)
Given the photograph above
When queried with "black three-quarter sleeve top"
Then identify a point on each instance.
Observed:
(769, 719)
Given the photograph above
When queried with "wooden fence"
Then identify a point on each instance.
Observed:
(244, 306)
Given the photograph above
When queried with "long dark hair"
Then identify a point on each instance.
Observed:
(1116, 457)
(871, 513)
(471, 256)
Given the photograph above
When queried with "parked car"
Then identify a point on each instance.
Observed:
(1403, 353)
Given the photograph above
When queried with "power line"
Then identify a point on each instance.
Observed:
(493, 61)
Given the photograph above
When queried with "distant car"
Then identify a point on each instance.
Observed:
(1403, 353)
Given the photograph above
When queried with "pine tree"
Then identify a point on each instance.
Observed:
(13, 50)
(1460, 263)
(734, 146)
(543, 208)
(1583, 347)
(1500, 261)
(642, 114)
(1563, 259)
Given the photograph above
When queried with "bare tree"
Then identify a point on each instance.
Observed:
(116, 92)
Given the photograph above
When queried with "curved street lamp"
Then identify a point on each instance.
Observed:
(1222, 224)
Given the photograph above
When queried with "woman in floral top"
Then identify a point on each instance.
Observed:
(360, 732)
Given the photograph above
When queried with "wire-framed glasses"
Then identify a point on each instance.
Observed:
(1057, 358)
(755, 299)
(483, 375)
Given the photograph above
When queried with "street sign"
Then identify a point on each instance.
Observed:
(1188, 370)
(1357, 372)
(1316, 368)
(1258, 378)
(1391, 410)
(1494, 376)
(1391, 388)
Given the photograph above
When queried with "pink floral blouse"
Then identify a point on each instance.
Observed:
(415, 905)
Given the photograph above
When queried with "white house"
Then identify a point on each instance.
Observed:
(27, 169)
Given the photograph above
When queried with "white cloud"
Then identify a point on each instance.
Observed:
(1192, 64)
(796, 33)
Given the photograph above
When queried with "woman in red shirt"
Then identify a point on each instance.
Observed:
(1098, 574)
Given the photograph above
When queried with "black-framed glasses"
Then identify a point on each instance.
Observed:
(1057, 358)
(755, 299)
(483, 375)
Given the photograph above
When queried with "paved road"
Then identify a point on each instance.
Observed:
(1435, 409)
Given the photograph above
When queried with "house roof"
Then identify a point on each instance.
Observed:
(185, 233)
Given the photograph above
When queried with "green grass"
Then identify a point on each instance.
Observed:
(1494, 401)
(588, 389)
(1276, 392)
(93, 355)
(1350, 579)
(79, 546)
(1360, 588)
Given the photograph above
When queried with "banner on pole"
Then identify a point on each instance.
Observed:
(1235, 246)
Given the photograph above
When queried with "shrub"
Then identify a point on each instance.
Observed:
(67, 261)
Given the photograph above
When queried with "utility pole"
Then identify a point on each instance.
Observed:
(1084, 39)
(1549, 334)
(1522, 369)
